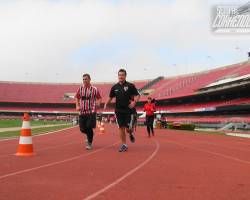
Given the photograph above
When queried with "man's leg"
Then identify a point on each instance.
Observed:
(85, 132)
(122, 135)
(130, 129)
(121, 121)
(82, 126)
(91, 123)
(90, 135)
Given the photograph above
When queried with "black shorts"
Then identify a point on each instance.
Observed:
(126, 120)
(87, 121)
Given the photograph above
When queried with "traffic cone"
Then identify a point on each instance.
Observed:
(25, 147)
(101, 129)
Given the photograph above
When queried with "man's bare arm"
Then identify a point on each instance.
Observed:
(133, 103)
(77, 104)
(107, 102)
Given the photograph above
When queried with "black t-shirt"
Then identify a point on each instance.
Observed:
(123, 93)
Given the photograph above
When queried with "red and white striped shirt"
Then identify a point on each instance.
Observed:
(87, 97)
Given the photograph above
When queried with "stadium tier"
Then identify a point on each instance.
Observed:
(171, 93)
(189, 84)
(47, 92)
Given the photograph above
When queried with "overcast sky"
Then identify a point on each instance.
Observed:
(59, 40)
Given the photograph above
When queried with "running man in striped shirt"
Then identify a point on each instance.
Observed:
(87, 99)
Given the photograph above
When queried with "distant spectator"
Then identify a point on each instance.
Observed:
(149, 108)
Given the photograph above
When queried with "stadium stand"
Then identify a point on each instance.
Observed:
(150, 83)
(198, 97)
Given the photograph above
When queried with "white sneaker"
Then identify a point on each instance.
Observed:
(88, 146)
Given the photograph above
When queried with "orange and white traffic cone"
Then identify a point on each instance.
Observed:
(25, 147)
(101, 129)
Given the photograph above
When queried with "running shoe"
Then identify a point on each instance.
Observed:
(88, 146)
(123, 148)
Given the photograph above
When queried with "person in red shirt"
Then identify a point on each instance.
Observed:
(87, 99)
(149, 108)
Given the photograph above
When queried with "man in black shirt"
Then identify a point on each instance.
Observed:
(126, 96)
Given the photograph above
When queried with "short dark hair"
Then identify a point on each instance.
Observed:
(122, 70)
(86, 75)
